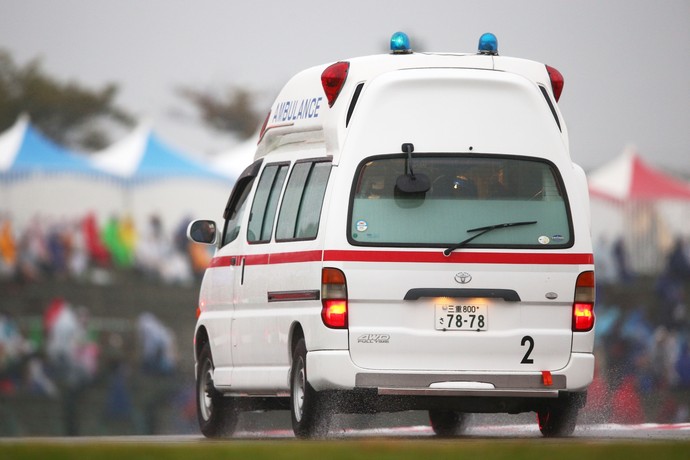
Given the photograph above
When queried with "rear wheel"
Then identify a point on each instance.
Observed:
(310, 414)
(558, 421)
(448, 423)
(217, 415)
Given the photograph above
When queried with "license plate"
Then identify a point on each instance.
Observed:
(461, 317)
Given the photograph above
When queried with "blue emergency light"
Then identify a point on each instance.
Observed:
(400, 43)
(488, 44)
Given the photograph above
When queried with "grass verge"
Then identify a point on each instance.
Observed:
(374, 449)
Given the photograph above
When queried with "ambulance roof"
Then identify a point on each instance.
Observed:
(315, 106)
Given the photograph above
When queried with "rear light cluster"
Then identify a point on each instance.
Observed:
(334, 298)
(583, 306)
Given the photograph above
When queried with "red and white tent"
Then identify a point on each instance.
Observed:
(644, 206)
(629, 177)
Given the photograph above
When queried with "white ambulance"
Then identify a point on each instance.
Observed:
(412, 235)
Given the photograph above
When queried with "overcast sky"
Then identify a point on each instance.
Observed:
(626, 63)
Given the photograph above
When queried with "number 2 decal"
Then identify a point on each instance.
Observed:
(530, 342)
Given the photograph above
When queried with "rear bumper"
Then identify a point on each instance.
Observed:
(334, 370)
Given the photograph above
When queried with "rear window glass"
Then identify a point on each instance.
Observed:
(466, 195)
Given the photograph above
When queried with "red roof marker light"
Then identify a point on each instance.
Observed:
(333, 80)
(556, 82)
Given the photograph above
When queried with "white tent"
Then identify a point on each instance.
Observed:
(40, 179)
(232, 162)
(159, 180)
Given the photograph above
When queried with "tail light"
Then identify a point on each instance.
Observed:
(583, 306)
(334, 298)
(557, 82)
(333, 80)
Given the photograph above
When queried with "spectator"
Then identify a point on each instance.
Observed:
(8, 249)
(78, 261)
(37, 381)
(603, 260)
(683, 389)
(157, 257)
(112, 238)
(73, 358)
(678, 265)
(33, 252)
(151, 248)
(13, 349)
(157, 345)
(670, 287)
(119, 412)
(683, 366)
(58, 249)
(620, 257)
(97, 251)
(158, 355)
(180, 237)
(664, 355)
(73, 355)
(128, 236)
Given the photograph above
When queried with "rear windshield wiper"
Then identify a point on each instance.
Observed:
(483, 230)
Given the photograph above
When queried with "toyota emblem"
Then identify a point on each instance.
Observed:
(463, 277)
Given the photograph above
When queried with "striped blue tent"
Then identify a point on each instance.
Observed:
(143, 156)
(24, 151)
(159, 179)
(41, 179)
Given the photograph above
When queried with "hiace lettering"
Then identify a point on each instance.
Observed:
(296, 110)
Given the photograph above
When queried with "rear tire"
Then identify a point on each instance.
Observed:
(448, 424)
(558, 421)
(217, 415)
(311, 416)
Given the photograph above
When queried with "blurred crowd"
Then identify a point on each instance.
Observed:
(642, 330)
(66, 358)
(81, 248)
(642, 339)
(66, 355)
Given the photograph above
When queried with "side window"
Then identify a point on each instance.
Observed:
(234, 210)
(265, 203)
(301, 208)
(234, 214)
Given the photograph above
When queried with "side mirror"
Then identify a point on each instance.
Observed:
(202, 231)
